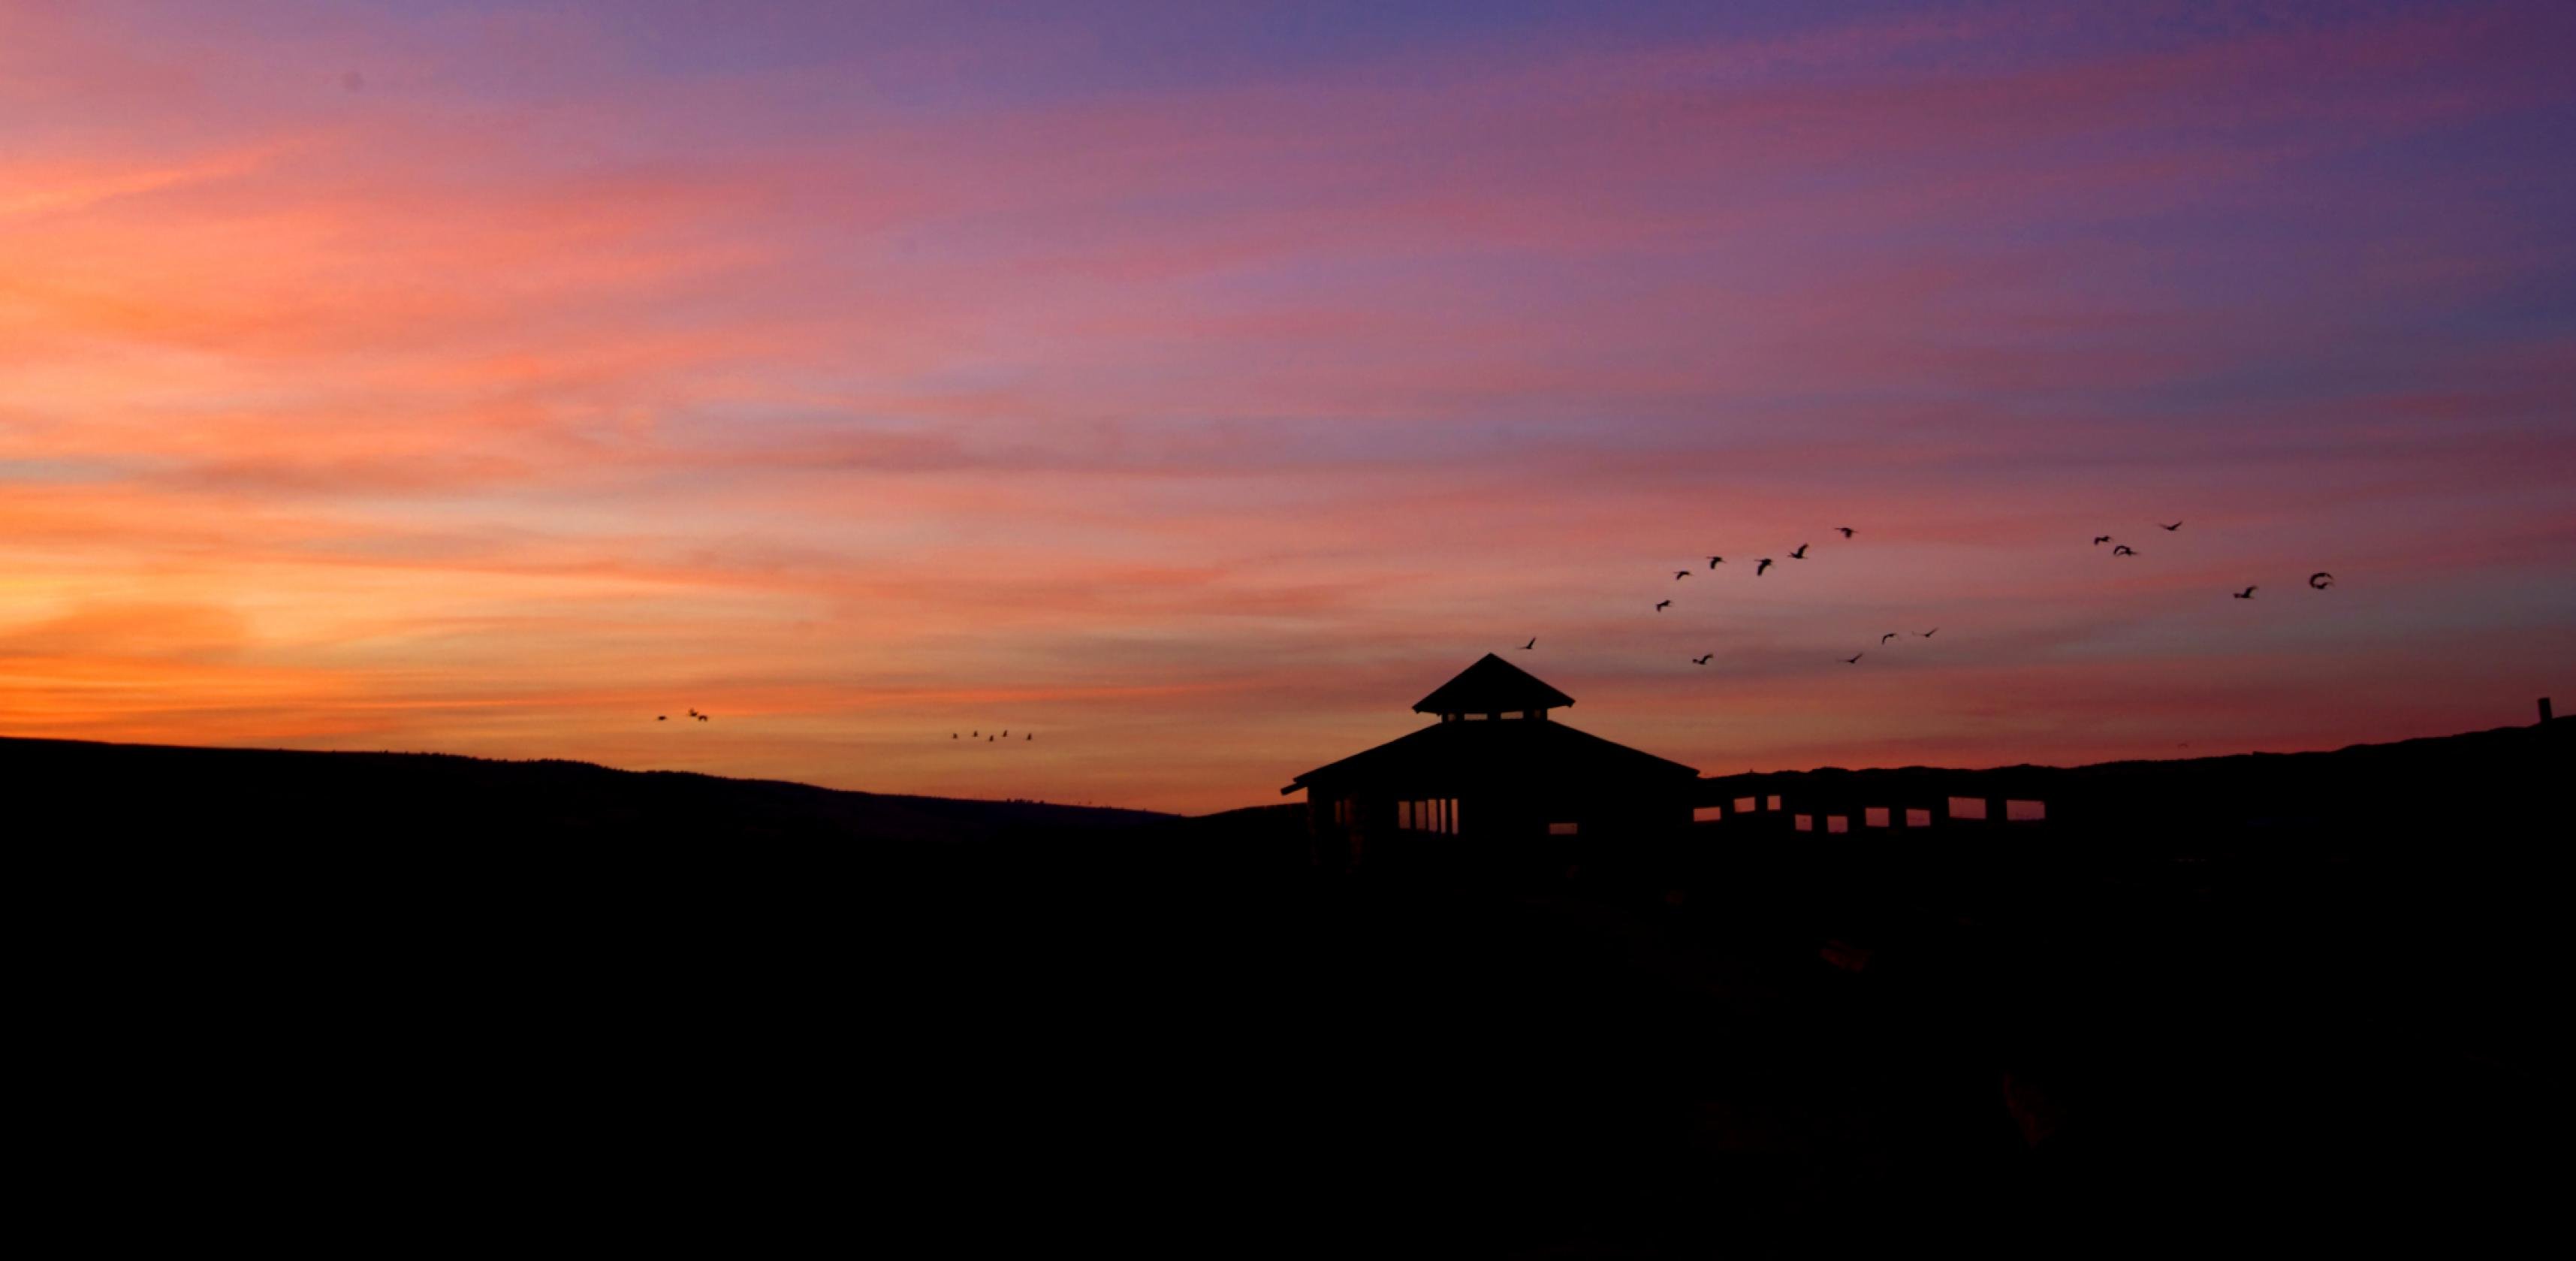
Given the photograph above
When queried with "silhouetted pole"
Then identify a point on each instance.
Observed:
(2544, 709)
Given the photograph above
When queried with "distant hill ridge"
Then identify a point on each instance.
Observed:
(93, 786)
(77, 785)
(2423, 782)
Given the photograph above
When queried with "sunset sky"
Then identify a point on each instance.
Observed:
(1197, 385)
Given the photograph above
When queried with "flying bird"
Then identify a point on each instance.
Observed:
(1661, 605)
(1847, 530)
(1799, 552)
(1533, 643)
(1854, 659)
(1030, 736)
(2100, 539)
(2320, 580)
(988, 739)
(1680, 574)
(2124, 550)
(702, 718)
(693, 713)
(661, 718)
(1715, 561)
(1930, 633)
(1760, 565)
(1006, 734)
(952, 735)
(1882, 640)
(1702, 660)
(2169, 528)
(2246, 594)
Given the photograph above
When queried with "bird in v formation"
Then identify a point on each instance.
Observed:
(1761, 567)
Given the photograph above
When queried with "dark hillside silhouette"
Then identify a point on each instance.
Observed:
(289, 795)
(2108, 1031)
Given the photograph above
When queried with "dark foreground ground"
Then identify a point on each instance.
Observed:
(1173, 1038)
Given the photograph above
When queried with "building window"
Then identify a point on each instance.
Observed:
(1838, 823)
(1708, 814)
(1744, 805)
(1918, 818)
(1563, 829)
(1775, 802)
(1342, 811)
(1806, 823)
(2025, 811)
(1437, 815)
(1967, 807)
(1874, 816)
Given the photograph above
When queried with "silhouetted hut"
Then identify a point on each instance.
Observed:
(1495, 775)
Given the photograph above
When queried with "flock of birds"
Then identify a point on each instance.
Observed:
(988, 739)
(1761, 567)
(2318, 581)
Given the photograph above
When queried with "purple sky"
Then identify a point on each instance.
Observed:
(1199, 385)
